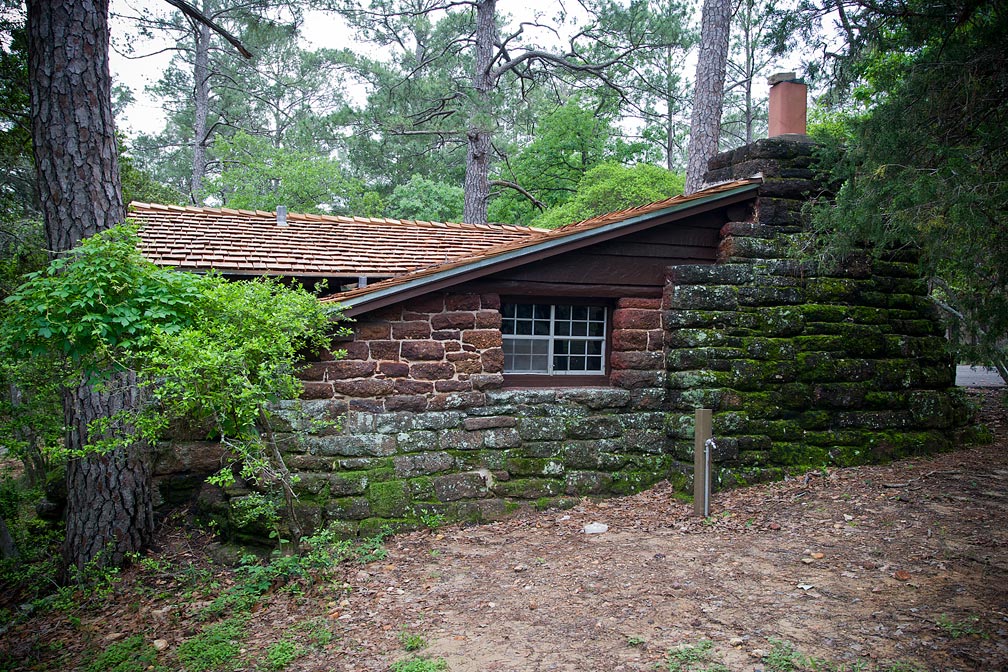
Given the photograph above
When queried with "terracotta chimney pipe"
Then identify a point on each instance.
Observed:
(788, 96)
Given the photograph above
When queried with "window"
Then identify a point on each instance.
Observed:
(554, 339)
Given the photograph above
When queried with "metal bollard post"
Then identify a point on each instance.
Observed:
(701, 462)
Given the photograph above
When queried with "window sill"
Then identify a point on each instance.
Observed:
(521, 380)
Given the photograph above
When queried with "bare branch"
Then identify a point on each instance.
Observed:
(198, 16)
(521, 190)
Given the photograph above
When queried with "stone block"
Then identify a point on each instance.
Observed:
(384, 350)
(393, 369)
(372, 330)
(354, 350)
(631, 380)
(503, 437)
(581, 455)
(636, 360)
(482, 339)
(452, 386)
(629, 339)
(649, 303)
(348, 508)
(355, 445)
(416, 440)
(529, 488)
(388, 499)
(466, 362)
(595, 398)
(460, 439)
(462, 302)
(453, 487)
(456, 400)
(453, 320)
(432, 371)
(447, 335)
(595, 427)
(490, 301)
(587, 483)
(316, 390)
(542, 428)
(410, 386)
(703, 297)
(489, 422)
(487, 381)
(493, 360)
(430, 303)
(422, 464)
(422, 350)
(636, 318)
(364, 387)
(410, 330)
(488, 319)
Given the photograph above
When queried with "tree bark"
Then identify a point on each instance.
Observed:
(477, 177)
(109, 510)
(8, 549)
(109, 502)
(708, 97)
(201, 103)
(72, 127)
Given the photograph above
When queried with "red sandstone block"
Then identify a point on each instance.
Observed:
(453, 345)
(629, 339)
(656, 339)
(453, 320)
(406, 402)
(455, 401)
(410, 386)
(394, 369)
(462, 302)
(422, 350)
(636, 360)
(317, 390)
(388, 313)
(384, 350)
(364, 387)
(490, 301)
(631, 380)
(370, 331)
(366, 405)
(432, 371)
(482, 338)
(468, 366)
(356, 350)
(452, 386)
(639, 302)
(636, 318)
(488, 319)
(493, 360)
(349, 368)
(413, 329)
(413, 316)
(446, 335)
(431, 303)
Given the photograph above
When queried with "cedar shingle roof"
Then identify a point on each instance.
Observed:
(513, 252)
(251, 242)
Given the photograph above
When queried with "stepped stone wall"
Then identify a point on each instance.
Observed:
(804, 367)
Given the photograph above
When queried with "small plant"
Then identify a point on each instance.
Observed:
(132, 654)
(216, 648)
(281, 654)
(420, 665)
(635, 641)
(695, 658)
(412, 641)
(431, 519)
(783, 657)
(964, 628)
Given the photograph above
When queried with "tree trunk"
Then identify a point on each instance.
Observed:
(72, 126)
(477, 177)
(705, 124)
(109, 510)
(8, 549)
(34, 461)
(109, 501)
(201, 103)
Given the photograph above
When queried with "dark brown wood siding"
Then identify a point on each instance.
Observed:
(633, 265)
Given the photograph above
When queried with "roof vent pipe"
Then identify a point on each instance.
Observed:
(788, 105)
(281, 213)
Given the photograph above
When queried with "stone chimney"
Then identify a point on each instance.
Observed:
(281, 215)
(788, 104)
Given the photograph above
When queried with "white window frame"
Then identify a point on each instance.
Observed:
(552, 338)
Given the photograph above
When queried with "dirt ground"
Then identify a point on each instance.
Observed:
(902, 564)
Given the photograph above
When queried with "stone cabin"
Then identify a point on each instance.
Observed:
(495, 366)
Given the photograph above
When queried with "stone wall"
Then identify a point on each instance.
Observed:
(804, 366)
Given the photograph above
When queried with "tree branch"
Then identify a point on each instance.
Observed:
(197, 15)
(521, 190)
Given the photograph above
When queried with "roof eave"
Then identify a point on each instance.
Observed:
(456, 274)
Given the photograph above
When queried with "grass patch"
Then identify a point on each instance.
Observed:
(967, 627)
(784, 657)
(412, 641)
(216, 648)
(694, 658)
(132, 654)
(420, 665)
(281, 654)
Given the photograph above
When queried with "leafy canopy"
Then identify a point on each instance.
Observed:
(921, 166)
(213, 352)
(612, 186)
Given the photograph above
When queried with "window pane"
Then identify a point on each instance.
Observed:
(596, 313)
(542, 328)
(542, 312)
(563, 312)
(594, 347)
(579, 329)
(594, 363)
(577, 364)
(579, 312)
(596, 329)
(523, 327)
(561, 329)
(560, 347)
(524, 311)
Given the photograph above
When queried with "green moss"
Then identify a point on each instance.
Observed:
(529, 488)
(388, 499)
